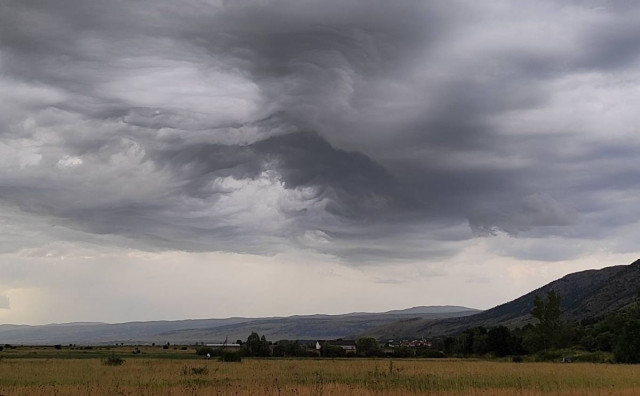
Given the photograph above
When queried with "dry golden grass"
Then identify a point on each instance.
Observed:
(308, 377)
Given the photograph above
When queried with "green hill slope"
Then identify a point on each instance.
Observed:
(585, 294)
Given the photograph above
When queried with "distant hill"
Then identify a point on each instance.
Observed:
(586, 294)
(433, 309)
(216, 330)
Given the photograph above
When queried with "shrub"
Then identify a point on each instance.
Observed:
(430, 353)
(204, 350)
(329, 350)
(549, 355)
(593, 357)
(369, 347)
(404, 352)
(589, 343)
(203, 370)
(230, 357)
(289, 348)
(113, 361)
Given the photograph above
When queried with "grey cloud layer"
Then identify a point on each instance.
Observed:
(366, 131)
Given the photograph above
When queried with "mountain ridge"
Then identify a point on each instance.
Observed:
(211, 330)
(584, 294)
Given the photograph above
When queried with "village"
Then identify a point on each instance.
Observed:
(362, 347)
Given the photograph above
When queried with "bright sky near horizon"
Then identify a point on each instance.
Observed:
(211, 158)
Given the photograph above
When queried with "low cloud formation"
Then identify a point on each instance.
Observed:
(370, 132)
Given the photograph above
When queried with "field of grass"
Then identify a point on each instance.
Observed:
(145, 375)
(98, 352)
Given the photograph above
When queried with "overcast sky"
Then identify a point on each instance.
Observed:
(203, 158)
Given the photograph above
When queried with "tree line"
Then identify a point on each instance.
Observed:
(617, 333)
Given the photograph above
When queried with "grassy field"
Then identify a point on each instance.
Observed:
(145, 374)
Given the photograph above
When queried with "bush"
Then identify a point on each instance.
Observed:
(203, 370)
(207, 350)
(403, 352)
(564, 355)
(289, 348)
(369, 347)
(593, 357)
(226, 356)
(329, 350)
(549, 355)
(430, 353)
(113, 361)
(589, 343)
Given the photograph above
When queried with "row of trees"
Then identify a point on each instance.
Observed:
(617, 332)
(258, 346)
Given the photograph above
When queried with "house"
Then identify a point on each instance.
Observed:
(421, 343)
(348, 346)
(226, 346)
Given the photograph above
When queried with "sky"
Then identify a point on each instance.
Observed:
(211, 158)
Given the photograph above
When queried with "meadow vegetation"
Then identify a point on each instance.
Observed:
(521, 362)
(350, 377)
(612, 337)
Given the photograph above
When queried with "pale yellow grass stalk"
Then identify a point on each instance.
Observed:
(308, 377)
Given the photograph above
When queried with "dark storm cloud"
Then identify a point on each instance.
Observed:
(358, 185)
(365, 130)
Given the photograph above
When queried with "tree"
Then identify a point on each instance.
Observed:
(471, 341)
(627, 346)
(289, 348)
(404, 352)
(449, 344)
(499, 341)
(368, 346)
(329, 350)
(549, 325)
(479, 341)
(257, 346)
